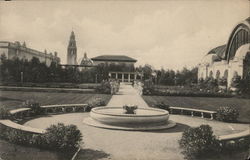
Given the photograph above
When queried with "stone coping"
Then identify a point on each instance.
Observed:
(64, 105)
(14, 125)
(91, 122)
(242, 134)
(19, 110)
(192, 109)
(161, 112)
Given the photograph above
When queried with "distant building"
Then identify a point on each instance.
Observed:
(230, 59)
(116, 59)
(16, 50)
(72, 50)
(85, 63)
(122, 60)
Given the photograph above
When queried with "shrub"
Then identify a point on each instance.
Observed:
(62, 137)
(95, 102)
(198, 142)
(104, 87)
(162, 105)
(34, 106)
(4, 113)
(227, 114)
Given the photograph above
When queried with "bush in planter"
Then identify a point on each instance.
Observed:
(227, 114)
(4, 113)
(62, 137)
(198, 142)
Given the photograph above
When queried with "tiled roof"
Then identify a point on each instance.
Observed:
(219, 51)
(119, 58)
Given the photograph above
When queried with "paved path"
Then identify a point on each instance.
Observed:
(127, 95)
(124, 145)
(135, 145)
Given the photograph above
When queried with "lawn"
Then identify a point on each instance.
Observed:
(208, 103)
(14, 99)
(9, 151)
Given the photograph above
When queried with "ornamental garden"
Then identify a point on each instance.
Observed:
(107, 110)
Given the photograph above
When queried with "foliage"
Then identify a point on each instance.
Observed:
(56, 137)
(95, 102)
(227, 114)
(37, 72)
(162, 105)
(148, 87)
(236, 81)
(222, 81)
(104, 87)
(34, 106)
(4, 113)
(62, 137)
(198, 142)
(189, 93)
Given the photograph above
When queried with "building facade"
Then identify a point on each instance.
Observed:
(231, 59)
(72, 50)
(123, 66)
(16, 50)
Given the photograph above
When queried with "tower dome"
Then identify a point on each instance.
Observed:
(85, 61)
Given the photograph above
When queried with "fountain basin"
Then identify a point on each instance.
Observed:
(115, 118)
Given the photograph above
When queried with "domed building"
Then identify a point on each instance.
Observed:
(85, 62)
(230, 59)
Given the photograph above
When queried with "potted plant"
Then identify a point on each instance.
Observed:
(130, 109)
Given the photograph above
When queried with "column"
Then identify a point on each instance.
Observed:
(116, 75)
(122, 77)
(212, 116)
(129, 77)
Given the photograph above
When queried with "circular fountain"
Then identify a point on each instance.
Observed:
(124, 119)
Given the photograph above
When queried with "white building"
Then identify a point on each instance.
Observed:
(230, 59)
(125, 74)
(16, 50)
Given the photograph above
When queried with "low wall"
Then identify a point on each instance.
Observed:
(21, 113)
(67, 108)
(193, 112)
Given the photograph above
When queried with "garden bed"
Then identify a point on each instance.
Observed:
(205, 103)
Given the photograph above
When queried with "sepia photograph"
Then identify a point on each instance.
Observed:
(125, 80)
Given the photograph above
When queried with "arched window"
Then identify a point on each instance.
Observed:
(217, 74)
(225, 74)
(211, 74)
(239, 39)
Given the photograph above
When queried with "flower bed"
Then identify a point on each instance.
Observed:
(187, 93)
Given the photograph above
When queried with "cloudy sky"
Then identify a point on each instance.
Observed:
(168, 34)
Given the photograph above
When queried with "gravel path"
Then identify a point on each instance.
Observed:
(127, 95)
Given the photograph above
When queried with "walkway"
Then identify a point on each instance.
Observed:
(127, 95)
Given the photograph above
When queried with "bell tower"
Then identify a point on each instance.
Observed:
(72, 50)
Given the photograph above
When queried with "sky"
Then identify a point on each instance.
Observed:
(165, 33)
